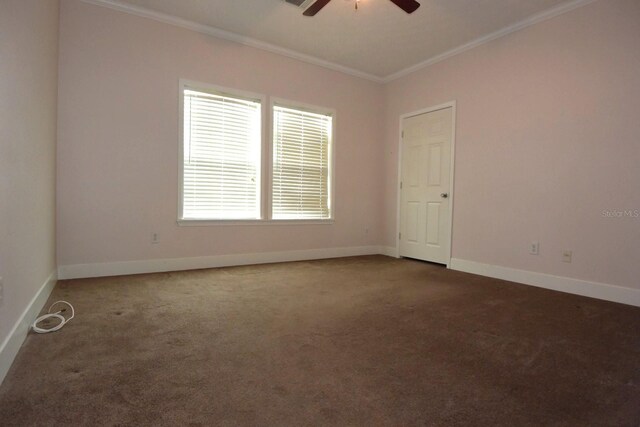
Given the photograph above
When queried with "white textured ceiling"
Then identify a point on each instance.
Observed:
(378, 39)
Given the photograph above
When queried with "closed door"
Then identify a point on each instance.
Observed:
(425, 187)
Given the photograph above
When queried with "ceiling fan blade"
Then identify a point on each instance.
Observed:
(315, 7)
(408, 6)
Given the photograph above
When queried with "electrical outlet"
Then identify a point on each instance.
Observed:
(534, 248)
(155, 238)
(566, 256)
(1, 291)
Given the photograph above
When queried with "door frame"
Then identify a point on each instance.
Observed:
(452, 105)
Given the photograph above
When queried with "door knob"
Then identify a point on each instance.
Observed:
(444, 195)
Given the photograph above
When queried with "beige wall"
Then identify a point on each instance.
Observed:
(118, 140)
(28, 92)
(548, 137)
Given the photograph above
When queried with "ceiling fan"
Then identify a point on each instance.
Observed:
(313, 6)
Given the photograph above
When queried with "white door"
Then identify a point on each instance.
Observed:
(425, 187)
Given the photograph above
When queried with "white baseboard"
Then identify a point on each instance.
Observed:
(78, 271)
(542, 280)
(391, 251)
(557, 283)
(12, 343)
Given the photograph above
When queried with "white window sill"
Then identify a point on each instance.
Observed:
(236, 222)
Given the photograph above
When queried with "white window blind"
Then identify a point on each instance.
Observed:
(221, 147)
(301, 164)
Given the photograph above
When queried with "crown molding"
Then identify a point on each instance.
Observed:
(248, 41)
(230, 36)
(532, 20)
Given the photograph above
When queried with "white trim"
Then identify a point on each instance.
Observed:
(233, 37)
(557, 283)
(266, 162)
(452, 105)
(235, 222)
(12, 343)
(309, 108)
(389, 251)
(248, 41)
(266, 155)
(184, 84)
(452, 178)
(542, 16)
(176, 264)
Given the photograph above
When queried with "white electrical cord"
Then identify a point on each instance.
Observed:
(57, 315)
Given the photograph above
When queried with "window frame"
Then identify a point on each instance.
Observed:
(294, 105)
(185, 84)
(266, 155)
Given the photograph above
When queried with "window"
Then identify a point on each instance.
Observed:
(301, 162)
(221, 156)
(232, 172)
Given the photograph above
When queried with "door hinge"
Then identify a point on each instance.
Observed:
(399, 236)
(401, 185)
(403, 134)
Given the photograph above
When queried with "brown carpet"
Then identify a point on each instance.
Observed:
(354, 341)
